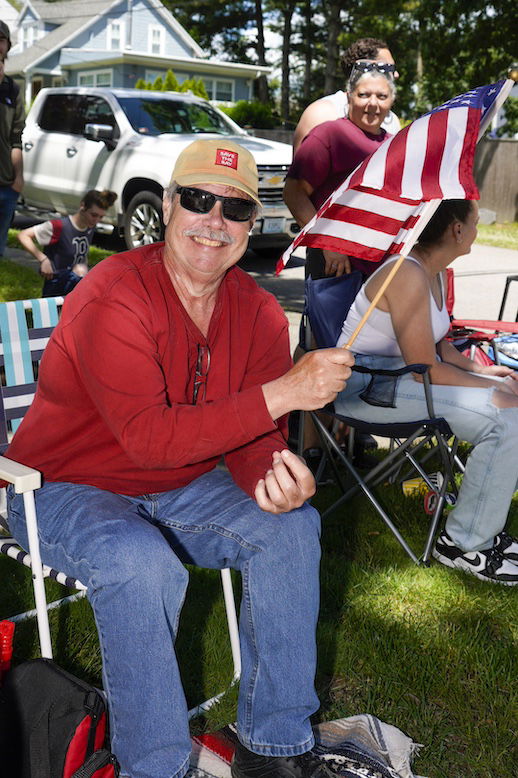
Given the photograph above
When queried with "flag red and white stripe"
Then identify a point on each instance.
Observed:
(384, 204)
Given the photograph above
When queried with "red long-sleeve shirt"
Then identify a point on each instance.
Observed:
(114, 408)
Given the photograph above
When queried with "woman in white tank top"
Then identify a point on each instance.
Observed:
(480, 403)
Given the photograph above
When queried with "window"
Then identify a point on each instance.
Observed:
(29, 34)
(155, 116)
(115, 36)
(152, 75)
(69, 114)
(62, 113)
(156, 40)
(224, 90)
(219, 89)
(97, 111)
(95, 78)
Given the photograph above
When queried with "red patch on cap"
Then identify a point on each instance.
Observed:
(227, 158)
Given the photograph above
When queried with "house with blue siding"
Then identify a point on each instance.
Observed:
(115, 43)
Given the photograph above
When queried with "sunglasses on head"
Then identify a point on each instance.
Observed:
(235, 209)
(365, 65)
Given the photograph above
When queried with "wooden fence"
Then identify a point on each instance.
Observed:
(496, 172)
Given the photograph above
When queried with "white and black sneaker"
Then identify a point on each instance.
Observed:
(508, 546)
(489, 565)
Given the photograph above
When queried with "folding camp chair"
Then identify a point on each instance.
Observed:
(25, 328)
(487, 341)
(410, 440)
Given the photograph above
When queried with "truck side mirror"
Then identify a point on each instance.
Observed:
(100, 132)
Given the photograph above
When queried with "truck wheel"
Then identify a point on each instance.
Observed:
(143, 222)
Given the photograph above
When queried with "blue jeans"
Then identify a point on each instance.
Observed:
(491, 473)
(129, 552)
(8, 200)
(61, 284)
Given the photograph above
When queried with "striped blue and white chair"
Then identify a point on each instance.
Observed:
(25, 328)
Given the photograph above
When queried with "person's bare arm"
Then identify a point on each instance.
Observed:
(17, 163)
(297, 193)
(453, 356)
(320, 111)
(408, 301)
(27, 239)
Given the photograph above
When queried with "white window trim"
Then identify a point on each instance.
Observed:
(95, 74)
(122, 34)
(161, 32)
(210, 85)
(29, 35)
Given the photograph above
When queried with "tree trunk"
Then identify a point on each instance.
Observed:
(333, 25)
(261, 82)
(286, 40)
(307, 52)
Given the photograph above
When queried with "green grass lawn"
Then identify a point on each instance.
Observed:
(501, 235)
(430, 650)
(19, 283)
(24, 283)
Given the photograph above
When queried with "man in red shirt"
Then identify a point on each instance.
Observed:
(165, 359)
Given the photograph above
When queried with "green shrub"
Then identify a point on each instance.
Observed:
(171, 84)
(251, 113)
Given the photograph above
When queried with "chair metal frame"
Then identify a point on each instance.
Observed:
(21, 348)
(410, 439)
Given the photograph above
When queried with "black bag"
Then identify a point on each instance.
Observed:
(53, 725)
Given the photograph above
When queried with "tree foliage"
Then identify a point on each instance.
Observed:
(442, 47)
(218, 26)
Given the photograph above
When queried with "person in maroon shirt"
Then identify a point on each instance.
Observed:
(331, 151)
(166, 359)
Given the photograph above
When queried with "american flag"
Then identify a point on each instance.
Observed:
(385, 203)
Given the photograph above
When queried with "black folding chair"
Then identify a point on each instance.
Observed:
(413, 443)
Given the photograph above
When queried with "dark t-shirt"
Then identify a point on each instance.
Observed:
(324, 159)
(329, 153)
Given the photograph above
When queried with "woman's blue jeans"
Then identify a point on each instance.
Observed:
(491, 473)
(129, 552)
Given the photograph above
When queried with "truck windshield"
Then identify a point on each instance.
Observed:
(159, 116)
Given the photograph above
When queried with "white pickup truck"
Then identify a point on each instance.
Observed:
(127, 140)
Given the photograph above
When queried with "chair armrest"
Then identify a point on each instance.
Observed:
(24, 479)
(417, 368)
(482, 324)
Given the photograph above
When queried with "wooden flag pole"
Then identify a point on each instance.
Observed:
(377, 297)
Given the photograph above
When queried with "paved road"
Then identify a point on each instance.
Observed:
(479, 281)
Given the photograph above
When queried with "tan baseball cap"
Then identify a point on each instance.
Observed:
(217, 162)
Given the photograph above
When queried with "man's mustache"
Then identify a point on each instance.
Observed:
(208, 234)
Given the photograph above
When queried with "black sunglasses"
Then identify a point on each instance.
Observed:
(365, 65)
(236, 209)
